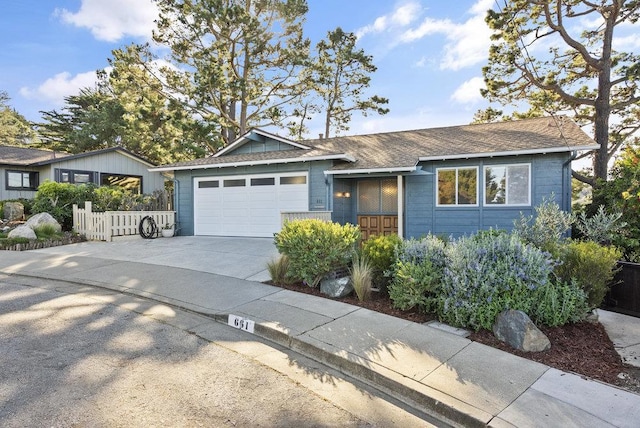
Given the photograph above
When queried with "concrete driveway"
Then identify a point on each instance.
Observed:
(243, 258)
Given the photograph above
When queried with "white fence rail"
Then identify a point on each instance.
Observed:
(303, 215)
(104, 226)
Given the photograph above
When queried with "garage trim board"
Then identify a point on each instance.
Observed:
(247, 205)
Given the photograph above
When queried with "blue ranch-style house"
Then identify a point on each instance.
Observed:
(448, 181)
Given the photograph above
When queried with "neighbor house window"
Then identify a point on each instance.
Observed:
(457, 186)
(507, 184)
(22, 180)
(75, 176)
(132, 183)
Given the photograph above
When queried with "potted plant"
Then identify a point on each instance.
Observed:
(167, 230)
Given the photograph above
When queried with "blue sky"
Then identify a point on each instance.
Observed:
(429, 53)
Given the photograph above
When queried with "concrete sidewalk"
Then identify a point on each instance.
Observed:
(465, 383)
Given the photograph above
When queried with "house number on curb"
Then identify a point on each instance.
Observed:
(241, 323)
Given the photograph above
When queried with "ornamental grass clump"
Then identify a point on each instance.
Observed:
(316, 248)
(488, 273)
(361, 273)
(279, 270)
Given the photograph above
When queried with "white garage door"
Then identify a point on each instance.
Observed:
(247, 205)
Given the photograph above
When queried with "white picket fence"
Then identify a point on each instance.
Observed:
(303, 215)
(104, 226)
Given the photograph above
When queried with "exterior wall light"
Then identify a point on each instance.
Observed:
(343, 195)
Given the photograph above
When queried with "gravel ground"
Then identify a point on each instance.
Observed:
(72, 360)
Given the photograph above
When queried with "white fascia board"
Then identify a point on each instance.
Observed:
(241, 140)
(511, 153)
(369, 170)
(344, 157)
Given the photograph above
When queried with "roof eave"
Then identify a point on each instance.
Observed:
(508, 153)
(369, 170)
(341, 156)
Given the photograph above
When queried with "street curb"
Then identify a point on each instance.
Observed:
(444, 406)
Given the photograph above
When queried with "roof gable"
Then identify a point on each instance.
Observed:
(260, 136)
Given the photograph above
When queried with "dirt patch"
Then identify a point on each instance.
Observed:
(583, 348)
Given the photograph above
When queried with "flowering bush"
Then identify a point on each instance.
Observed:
(488, 273)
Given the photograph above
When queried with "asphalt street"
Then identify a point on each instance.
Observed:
(73, 355)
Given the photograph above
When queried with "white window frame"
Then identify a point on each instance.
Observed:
(456, 169)
(506, 204)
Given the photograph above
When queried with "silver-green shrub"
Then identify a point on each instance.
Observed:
(417, 273)
(545, 230)
(488, 273)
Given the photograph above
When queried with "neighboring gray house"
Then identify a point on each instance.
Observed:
(23, 169)
(447, 181)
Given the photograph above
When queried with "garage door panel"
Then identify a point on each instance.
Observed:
(252, 209)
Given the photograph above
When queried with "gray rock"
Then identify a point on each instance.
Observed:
(22, 231)
(13, 211)
(517, 329)
(41, 219)
(336, 287)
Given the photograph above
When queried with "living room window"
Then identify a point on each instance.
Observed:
(507, 185)
(22, 180)
(132, 183)
(74, 176)
(457, 186)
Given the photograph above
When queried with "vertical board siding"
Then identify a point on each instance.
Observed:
(548, 177)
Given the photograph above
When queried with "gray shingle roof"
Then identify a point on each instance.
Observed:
(24, 156)
(404, 149)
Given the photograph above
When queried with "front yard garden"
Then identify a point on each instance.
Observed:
(467, 282)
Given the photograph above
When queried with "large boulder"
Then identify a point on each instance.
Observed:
(13, 211)
(42, 219)
(517, 329)
(336, 285)
(22, 231)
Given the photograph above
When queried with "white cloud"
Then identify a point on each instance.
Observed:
(467, 43)
(54, 89)
(401, 17)
(112, 20)
(469, 91)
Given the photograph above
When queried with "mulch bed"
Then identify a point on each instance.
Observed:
(583, 348)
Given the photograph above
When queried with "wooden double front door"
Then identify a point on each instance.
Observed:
(377, 225)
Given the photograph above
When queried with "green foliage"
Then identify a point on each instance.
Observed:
(340, 75)
(601, 227)
(380, 251)
(414, 284)
(58, 198)
(361, 273)
(546, 231)
(259, 51)
(417, 273)
(622, 194)
(15, 129)
(316, 247)
(47, 231)
(559, 303)
(279, 270)
(591, 266)
(488, 273)
(572, 74)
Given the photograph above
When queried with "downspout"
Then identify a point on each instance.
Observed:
(567, 163)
